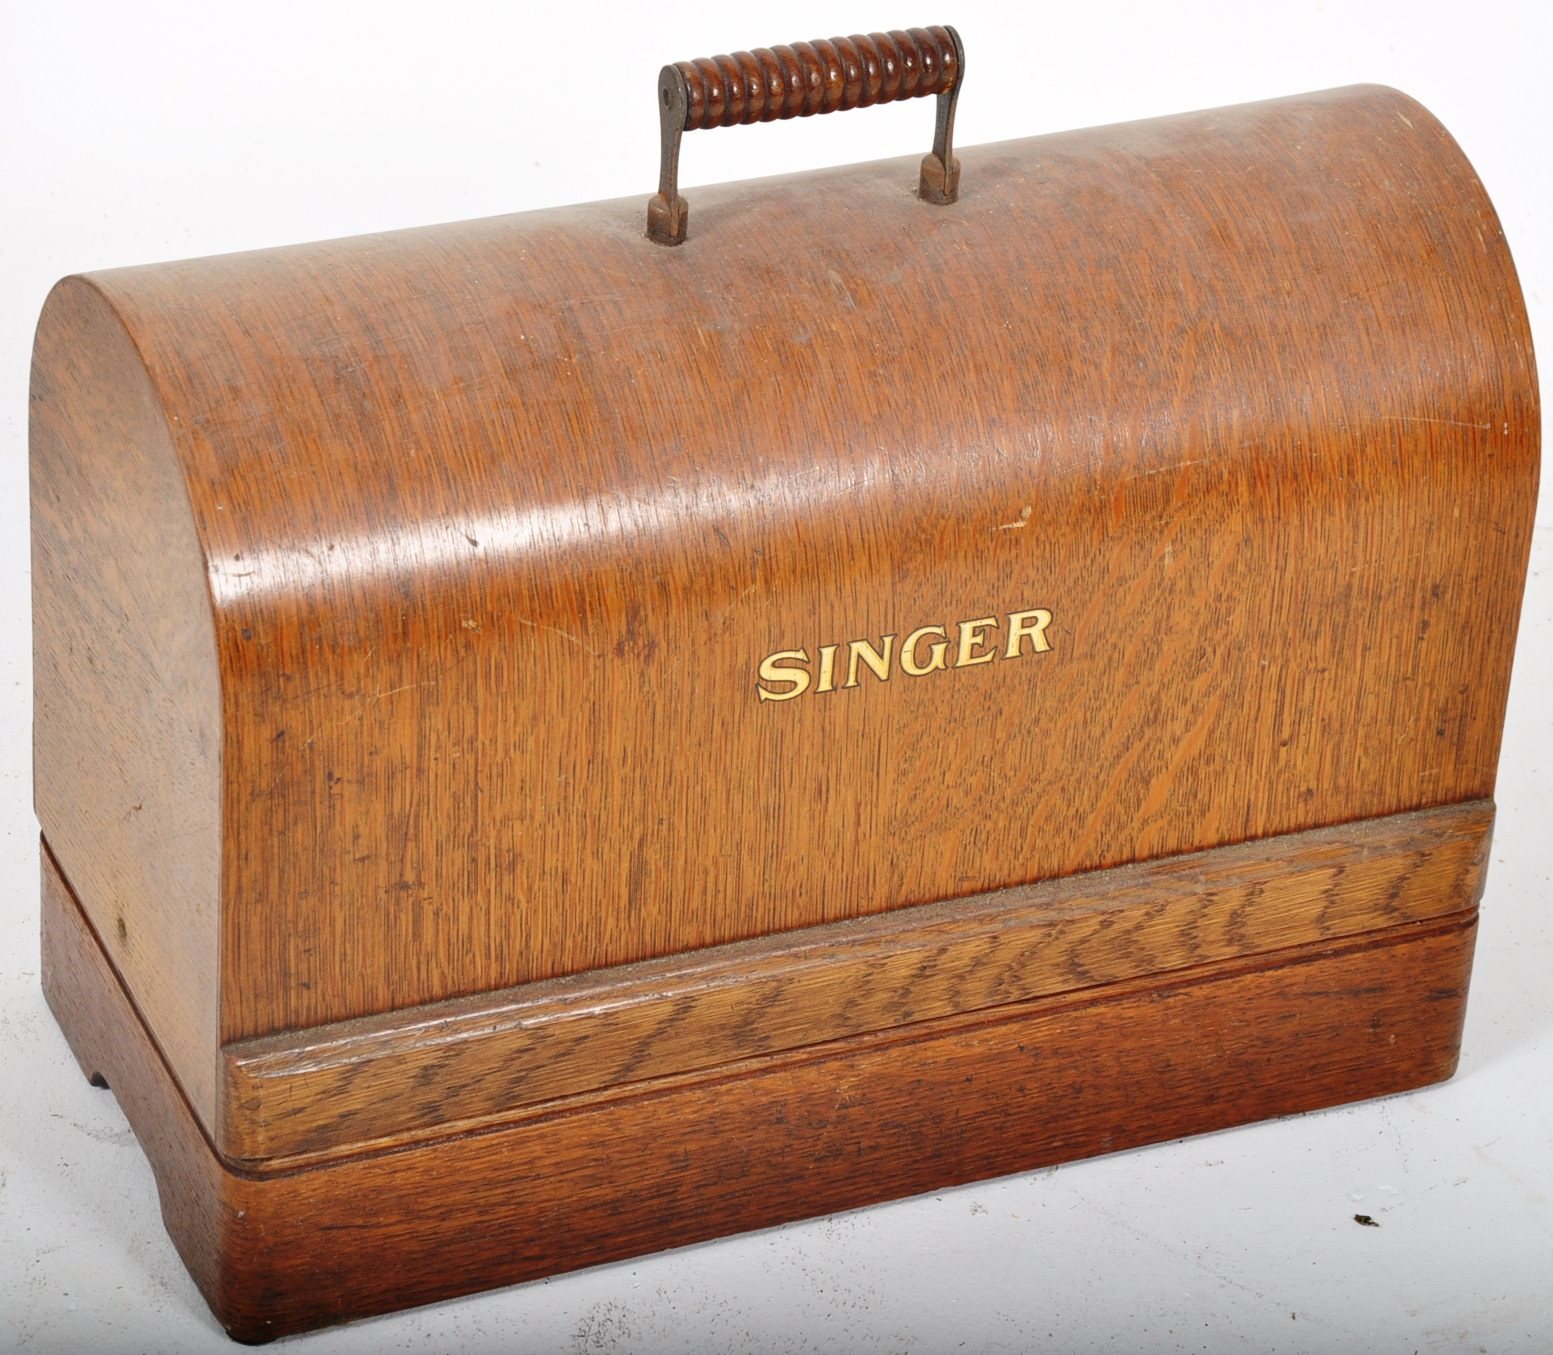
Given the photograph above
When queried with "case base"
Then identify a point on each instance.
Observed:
(749, 1143)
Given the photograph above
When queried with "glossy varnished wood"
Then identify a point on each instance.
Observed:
(676, 1160)
(424, 1072)
(827, 76)
(423, 866)
(498, 519)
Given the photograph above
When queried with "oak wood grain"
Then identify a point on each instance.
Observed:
(438, 1069)
(127, 707)
(450, 887)
(498, 519)
(682, 1159)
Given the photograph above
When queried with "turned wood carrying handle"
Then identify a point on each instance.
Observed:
(827, 76)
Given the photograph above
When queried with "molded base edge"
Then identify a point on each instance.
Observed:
(749, 1144)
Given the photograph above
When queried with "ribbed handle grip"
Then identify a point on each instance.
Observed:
(828, 76)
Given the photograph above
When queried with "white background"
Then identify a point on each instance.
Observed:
(144, 131)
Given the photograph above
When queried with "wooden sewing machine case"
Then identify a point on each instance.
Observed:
(551, 746)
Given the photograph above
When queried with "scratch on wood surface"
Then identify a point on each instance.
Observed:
(1162, 470)
(556, 630)
(723, 622)
(1022, 520)
(392, 691)
(1444, 423)
(726, 619)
